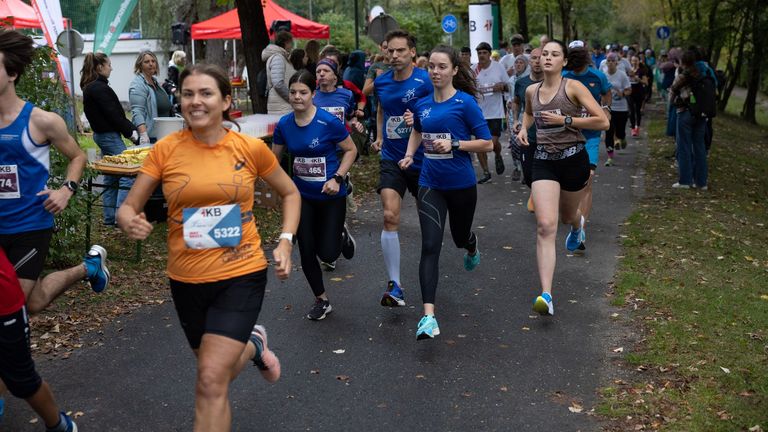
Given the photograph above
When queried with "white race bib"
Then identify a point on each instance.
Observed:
(9, 182)
(337, 111)
(396, 128)
(310, 169)
(428, 139)
(212, 227)
(485, 89)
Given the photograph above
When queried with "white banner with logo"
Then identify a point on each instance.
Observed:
(49, 14)
(480, 26)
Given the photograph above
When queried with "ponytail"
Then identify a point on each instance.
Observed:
(89, 72)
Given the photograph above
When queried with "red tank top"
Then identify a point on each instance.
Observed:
(11, 295)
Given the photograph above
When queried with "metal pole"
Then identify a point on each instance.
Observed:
(310, 11)
(193, 51)
(71, 42)
(357, 28)
(234, 57)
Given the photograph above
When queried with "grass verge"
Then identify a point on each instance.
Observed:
(693, 281)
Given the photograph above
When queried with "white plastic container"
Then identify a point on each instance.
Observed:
(167, 125)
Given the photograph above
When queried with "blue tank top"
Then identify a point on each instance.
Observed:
(24, 171)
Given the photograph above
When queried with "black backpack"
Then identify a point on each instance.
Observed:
(262, 86)
(703, 101)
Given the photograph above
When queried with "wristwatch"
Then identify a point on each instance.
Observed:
(568, 121)
(339, 178)
(287, 236)
(606, 107)
(71, 185)
(454, 144)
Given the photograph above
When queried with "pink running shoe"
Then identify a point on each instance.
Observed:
(265, 360)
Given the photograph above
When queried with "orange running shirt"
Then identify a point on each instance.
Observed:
(195, 175)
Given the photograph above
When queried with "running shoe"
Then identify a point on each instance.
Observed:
(544, 305)
(329, 267)
(680, 186)
(96, 267)
(264, 359)
(427, 328)
(576, 237)
(635, 131)
(609, 162)
(64, 422)
(393, 296)
(485, 179)
(347, 243)
(515, 174)
(499, 165)
(319, 310)
(472, 261)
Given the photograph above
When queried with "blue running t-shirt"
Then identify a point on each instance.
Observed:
(340, 102)
(459, 117)
(597, 83)
(24, 171)
(395, 98)
(314, 150)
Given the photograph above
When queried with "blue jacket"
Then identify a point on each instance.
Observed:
(143, 102)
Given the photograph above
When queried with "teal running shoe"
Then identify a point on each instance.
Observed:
(543, 304)
(428, 328)
(576, 238)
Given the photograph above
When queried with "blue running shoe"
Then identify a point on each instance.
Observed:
(576, 238)
(65, 424)
(544, 305)
(428, 328)
(394, 296)
(96, 265)
(471, 261)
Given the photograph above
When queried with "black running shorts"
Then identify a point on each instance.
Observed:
(572, 172)
(27, 251)
(392, 177)
(17, 370)
(227, 308)
(495, 126)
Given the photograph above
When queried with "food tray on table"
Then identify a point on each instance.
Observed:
(113, 168)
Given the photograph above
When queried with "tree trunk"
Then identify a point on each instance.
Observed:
(255, 38)
(711, 32)
(732, 73)
(214, 48)
(522, 19)
(565, 18)
(755, 64)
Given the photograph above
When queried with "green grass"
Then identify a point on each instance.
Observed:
(695, 269)
(736, 103)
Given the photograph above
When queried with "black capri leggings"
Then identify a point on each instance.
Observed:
(433, 206)
(636, 101)
(319, 236)
(618, 128)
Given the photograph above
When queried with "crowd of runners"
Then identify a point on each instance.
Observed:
(428, 122)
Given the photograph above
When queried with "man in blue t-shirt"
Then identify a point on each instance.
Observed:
(598, 85)
(27, 205)
(396, 92)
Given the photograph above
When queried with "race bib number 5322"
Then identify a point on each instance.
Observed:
(212, 227)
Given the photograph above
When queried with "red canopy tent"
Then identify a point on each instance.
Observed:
(17, 14)
(227, 25)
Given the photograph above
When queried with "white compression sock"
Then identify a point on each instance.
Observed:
(390, 246)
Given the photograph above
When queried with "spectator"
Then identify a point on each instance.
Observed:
(175, 66)
(691, 149)
(508, 61)
(312, 48)
(355, 72)
(298, 59)
(466, 55)
(279, 70)
(148, 99)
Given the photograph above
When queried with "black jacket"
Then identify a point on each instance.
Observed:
(103, 110)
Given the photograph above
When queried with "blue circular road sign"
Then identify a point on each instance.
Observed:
(449, 24)
(663, 32)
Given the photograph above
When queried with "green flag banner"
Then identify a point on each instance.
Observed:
(113, 15)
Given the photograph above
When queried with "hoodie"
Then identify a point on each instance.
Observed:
(355, 71)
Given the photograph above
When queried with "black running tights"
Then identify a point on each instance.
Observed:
(434, 205)
(319, 236)
(636, 101)
(618, 128)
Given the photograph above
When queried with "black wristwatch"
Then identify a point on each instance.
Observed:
(339, 178)
(71, 185)
(454, 144)
(568, 121)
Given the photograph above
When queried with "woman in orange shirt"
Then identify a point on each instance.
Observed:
(216, 266)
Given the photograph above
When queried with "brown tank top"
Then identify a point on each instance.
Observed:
(556, 138)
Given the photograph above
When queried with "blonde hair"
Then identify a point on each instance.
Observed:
(178, 57)
(140, 58)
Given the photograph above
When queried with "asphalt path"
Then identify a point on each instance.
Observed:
(496, 366)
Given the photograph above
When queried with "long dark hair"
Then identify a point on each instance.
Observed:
(464, 79)
(688, 63)
(218, 75)
(89, 73)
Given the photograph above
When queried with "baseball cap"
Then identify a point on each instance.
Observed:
(576, 44)
(484, 46)
(625, 48)
(517, 39)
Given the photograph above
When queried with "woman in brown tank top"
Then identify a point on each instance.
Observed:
(560, 169)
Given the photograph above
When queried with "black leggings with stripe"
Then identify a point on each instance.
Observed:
(434, 205)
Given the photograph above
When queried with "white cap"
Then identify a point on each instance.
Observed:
(576, 44)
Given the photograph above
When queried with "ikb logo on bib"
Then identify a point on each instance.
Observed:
(212, 227)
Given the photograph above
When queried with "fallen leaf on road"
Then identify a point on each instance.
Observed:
(337, 279)
(315, 371)
(614, 315)
(343, 378)
(526, 328)
(33, 421)
(503, 388)
(756, 428)
(726, 370)
(339, 351)
(467, 394)
(575, 408)
(421, 376)
(78, 414)
(507, 247)
(618, 350)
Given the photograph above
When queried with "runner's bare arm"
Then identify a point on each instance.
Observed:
(414, 141)
(332, 187)
(522, 135)
(376, 145)
(286, 188)
(50, 127)
(130, 216)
